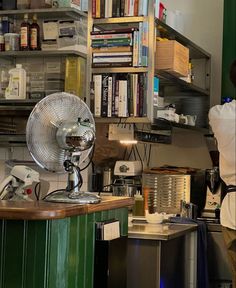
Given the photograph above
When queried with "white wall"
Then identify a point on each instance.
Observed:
(203, 24)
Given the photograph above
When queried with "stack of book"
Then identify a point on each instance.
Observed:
(120, 47)
(119, 8)
(120, 95)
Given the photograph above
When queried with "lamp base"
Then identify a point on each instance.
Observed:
(63, 196)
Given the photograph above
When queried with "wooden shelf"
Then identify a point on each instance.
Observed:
(120, 20)
(108, 120)
(119, 70)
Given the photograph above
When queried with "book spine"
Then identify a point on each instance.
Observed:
(114, 31)
(97, 79)
(135, 48)
(111, 36)
(115, 44)
(112, 49)
(126, 40)
(122, 8)
(145, 44)
(111, 54)
(109, 101)
(104, 65)
(113, 94)
(145, 82)
(122, 110)
(98, 9)
(136, 4)
(94, 8)
(112, 60)
(116, 97)
(102, 8)
(104, 102)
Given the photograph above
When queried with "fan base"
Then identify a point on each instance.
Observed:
(62, 196)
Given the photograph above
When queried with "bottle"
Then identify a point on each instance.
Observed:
(17, 83)
(34, 34)
(2, 43)
(138, 208)
(25, 34)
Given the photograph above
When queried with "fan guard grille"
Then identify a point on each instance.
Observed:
(42, 127)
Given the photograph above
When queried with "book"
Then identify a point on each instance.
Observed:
(123, 107)
(104, 98)
(113, 31)
(111, 36)
(112, 49)
(98, 9)
(111, 64)
(109, 100)
(111, 54)
(97, 79)
(116, 8)
(112, 59)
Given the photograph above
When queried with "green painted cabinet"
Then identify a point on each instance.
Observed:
(52, 253)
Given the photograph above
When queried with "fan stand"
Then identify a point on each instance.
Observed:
(72, 194)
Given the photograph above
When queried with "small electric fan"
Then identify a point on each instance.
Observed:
(60, 135)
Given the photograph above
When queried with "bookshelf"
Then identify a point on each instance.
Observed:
(171, 87)
(113, 23)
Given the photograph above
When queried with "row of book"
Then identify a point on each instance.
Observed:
(120, 47)
(119, 8)
(120, 95)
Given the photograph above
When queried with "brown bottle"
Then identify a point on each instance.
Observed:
(25, 34)
(34, 34)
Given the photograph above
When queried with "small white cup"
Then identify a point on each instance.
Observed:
(191, 119)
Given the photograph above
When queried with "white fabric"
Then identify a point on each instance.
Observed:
(223, 122)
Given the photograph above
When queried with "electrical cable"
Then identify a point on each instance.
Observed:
(37, 191)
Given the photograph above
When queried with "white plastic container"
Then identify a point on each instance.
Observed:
(17, 83)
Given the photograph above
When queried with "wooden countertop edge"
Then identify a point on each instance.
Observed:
(42, 210)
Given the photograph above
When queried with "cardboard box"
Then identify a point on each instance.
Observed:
(172, 57)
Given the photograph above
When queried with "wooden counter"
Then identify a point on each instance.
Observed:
(52, 245)
(42, 210)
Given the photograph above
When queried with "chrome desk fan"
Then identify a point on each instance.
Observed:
(60, 135)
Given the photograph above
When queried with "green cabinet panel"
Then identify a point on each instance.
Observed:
(52, 253)
(229, 47)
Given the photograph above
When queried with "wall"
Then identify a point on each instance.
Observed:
(203, 24)
(51, 181)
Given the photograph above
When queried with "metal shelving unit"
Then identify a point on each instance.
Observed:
(41, 53)
(46, 13)
(13, 109)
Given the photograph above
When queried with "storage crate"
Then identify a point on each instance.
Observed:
(172, 57)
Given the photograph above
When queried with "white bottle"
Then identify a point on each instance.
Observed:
(17, 84)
